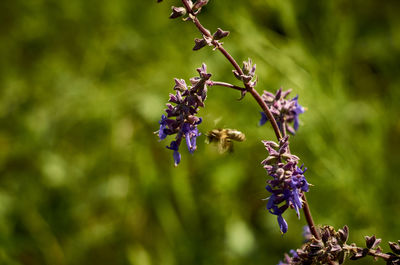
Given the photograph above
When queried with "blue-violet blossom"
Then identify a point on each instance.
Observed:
(181, 119)
(284, 111)
(288, 181)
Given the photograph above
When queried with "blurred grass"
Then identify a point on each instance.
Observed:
(83, 179)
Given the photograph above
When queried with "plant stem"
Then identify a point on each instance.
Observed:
(265, 108)
(217, 83)
(310, 221)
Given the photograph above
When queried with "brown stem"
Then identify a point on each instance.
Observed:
(207, 33)
(217, 83)
(310, 221)
(264, 107)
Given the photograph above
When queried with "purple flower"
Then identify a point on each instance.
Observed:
(163, 125)
(177, 156)
(287, 183)
(191, 133)
(181, 119)
(290, 260)
(284, 111)
(263, 119)
(294, 253)
(296, 112)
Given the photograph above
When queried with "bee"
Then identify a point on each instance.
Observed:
(224, 138)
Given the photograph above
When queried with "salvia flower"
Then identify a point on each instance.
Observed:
(287, 183)
(285, 111)
(180, 118)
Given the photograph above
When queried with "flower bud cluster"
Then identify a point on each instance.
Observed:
(395, 255)
(330, 249)
(181, 119)
(333, 249)
(373, 249)
(285, 111)
(210, 41)
(288, 181)
(248, 77)
(194, 9)
(249, 71)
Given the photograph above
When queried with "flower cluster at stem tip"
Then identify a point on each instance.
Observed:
(288, 181)
(284, 111)
(181, 118)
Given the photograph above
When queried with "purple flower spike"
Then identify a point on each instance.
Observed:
(287, 183)
(181, 119)
(285, 111)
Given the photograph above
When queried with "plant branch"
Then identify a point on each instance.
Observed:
(310, 221)
(217, 83)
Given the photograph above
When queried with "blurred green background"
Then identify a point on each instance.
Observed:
(83, 179)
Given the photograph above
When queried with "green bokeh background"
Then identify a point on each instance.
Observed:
(83, 179)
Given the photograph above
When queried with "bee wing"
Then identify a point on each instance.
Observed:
(236, 135)
(225, 145)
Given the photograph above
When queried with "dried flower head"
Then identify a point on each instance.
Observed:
(330, 249)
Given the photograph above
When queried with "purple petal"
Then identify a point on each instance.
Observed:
(294, 253)
(263, 119)
(271, 200)
(163, 124)
(177, 157)
(173, 146)
(297, 202)
(282, 224)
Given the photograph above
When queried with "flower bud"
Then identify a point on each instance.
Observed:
(372, 241)
(199, 4)
(177, 12)
(219, 34)
(395, 247)
(199, 43)
(344, 234)
(180, 85)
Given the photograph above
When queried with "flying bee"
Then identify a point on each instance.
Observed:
(224, 138)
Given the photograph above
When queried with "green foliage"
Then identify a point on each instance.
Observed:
(83, 179)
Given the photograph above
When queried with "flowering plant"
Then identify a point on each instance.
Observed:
(287, 183)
